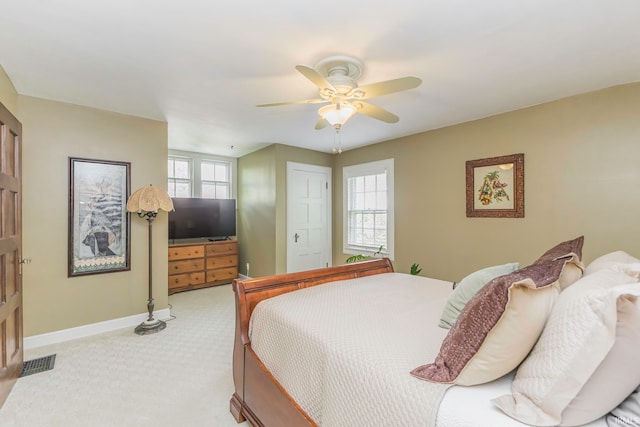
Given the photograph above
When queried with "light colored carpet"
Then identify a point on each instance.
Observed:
(178, 377)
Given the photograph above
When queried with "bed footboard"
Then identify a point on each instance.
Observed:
(258, 397)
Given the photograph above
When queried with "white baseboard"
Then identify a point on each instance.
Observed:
(92, 329)
(243, 277)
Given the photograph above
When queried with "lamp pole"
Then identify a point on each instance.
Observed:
(151, 325)
(146, 202)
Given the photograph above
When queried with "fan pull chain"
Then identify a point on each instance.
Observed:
(334, 149)
(339, 137)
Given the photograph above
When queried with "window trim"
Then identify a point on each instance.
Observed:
(371, 168)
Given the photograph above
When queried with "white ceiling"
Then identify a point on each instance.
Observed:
(204, 65)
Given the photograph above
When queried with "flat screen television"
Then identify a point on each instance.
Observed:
(195, 218)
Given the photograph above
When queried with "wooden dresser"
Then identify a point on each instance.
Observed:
(202, 264)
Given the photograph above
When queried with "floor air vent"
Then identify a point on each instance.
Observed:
(38, 365)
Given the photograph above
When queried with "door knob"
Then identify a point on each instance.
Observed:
(22, 261)
(296, 237)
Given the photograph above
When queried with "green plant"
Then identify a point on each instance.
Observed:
(415, 268)
(362, 257)
(356, 258)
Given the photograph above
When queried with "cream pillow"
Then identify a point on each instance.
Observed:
(572, 272)
(512, 337)
(501, 323)
(467, 288)
(607, 261)
(495, 331)
(579, 369)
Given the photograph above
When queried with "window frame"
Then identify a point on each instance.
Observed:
(181, 180)
(215, 163)
(196, 160)
(364, 169)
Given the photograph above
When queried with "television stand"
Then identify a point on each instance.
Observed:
(219, 239)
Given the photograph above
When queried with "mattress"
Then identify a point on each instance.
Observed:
(343, 350)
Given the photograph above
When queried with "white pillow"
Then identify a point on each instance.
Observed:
(632, 269)
(607, 261)
(616, 376)
(580, 369)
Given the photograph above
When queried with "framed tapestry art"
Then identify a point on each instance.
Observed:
(98, 220)
(495, 187)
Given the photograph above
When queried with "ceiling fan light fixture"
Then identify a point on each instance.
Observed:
(337, 114)
(336, 78)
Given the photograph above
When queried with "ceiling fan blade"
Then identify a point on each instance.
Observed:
(316, 78)
(386, 87)
(321, 123)
(376, 112)
(306, 101)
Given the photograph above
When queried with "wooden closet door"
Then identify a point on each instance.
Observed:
(11, 352)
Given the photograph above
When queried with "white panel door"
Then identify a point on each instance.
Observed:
(308, 217)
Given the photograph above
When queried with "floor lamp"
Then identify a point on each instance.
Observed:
(146, 202)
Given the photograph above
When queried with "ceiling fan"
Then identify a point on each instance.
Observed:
(337, 81)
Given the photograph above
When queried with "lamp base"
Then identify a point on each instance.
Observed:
(150, 327)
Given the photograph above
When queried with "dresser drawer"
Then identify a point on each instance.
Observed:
(222, 261)
(187, 279)
(222, 274)
(200, 264)
(222, 248)
(185, 266)
(186, 252)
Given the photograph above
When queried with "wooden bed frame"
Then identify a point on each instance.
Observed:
(258, 397)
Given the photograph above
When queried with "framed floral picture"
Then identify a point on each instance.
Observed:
(495, 187)
(98, 220)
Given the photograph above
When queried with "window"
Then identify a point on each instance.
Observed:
(368, 208)
(215, 179)
(179, 177)
(201, 175)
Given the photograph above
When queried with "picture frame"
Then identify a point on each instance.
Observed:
(99, 224)
(495, 187)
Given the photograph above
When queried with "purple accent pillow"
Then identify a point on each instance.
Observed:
(499, 311)
(562, 250)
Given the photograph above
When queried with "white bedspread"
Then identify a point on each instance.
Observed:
(344, 350)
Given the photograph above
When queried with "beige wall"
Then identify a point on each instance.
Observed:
(262, 221)
(257, 212)
(581, 178)
(53, 132)
(8, 94)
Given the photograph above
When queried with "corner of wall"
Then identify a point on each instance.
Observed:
(8, 93)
